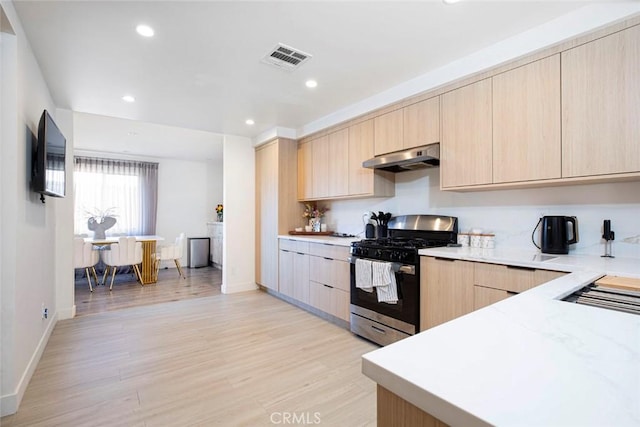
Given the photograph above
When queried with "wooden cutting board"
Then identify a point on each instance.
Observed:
(626, 283)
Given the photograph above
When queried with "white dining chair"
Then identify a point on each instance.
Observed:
(127, 252)
(85, 256)
(170, 252)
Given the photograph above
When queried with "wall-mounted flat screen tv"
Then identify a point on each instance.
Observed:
(49, 168)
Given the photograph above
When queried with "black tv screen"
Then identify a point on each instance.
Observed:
(49, 177)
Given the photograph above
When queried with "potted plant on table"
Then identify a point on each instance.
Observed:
(219, 210)
(100, 221)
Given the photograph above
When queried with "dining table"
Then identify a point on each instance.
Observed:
(147, 275)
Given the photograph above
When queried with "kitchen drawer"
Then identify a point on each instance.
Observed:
(329, 251)
(329, 299)
(294, 246)
(483, 297)
(507, 278)
(511, 278)
(330, 271)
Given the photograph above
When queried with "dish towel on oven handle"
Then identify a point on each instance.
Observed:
(384, 280)
(363, 275)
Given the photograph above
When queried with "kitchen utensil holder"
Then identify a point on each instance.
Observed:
(381, 231)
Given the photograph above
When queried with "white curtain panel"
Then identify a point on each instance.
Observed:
(124, 189)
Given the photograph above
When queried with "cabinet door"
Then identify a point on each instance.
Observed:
(601, 106)
(483, 297)
(422, 123)
(446, 290)
(305, 171)
(338, 163)
(388, 132)
(301, 277)
(320, 170)
(360, 149)
(526, 122)
(285, 273)
(466, 144)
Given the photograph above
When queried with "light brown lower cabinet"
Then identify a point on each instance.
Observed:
(329, 299)
(294, 275)
(448, 292)
(394, 411)
(452, 288)
(329, 273)
(483, 297)
(316, 274)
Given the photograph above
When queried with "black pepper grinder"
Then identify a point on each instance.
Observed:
(608, 236)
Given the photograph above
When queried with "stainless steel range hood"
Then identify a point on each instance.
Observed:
(427, 156)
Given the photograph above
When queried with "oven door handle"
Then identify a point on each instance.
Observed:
(396, 266)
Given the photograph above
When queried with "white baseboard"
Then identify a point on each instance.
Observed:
(238, 287)
(9, 403)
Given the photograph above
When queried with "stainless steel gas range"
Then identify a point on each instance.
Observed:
(384, 322)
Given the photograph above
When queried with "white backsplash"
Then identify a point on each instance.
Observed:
(510, 214)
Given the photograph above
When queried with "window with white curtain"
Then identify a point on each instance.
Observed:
(124, 189)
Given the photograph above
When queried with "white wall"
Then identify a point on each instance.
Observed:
(511, 214)
(29, 270)
(188, 192)
(238, 268)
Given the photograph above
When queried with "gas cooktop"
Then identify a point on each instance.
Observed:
(400, 242)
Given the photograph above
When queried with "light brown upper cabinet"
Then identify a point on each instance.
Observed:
(388, 133)
(526, 122)
(466, 145)
(320, 169)
(338, 162)
(601, 106)
(362, 181)
(421, 123)
(360, 149)
(305, 171)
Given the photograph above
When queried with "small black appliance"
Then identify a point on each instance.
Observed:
(557, 233)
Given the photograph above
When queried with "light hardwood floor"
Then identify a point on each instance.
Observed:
(127, 292)
(230, 360)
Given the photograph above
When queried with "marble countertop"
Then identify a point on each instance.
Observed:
(628, 267)
(331, 240)
(529, 360)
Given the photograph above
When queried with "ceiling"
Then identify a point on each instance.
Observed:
(202, 70)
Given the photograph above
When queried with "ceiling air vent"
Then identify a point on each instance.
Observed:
(285, 57)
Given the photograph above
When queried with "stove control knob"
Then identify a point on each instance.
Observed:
(379, 253)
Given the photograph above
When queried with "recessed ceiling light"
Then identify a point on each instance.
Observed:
(450, 1)
(128, 98)
(132, 133)
(311, 83)
(250, 122)
(145, 30)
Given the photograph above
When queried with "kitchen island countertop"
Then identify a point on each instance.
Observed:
(529, 360)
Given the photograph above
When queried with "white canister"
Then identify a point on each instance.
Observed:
(475, 240)
(488, 241)
(463, 239)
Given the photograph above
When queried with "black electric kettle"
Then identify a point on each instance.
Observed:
(557, 233)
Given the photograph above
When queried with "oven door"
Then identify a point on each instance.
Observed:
(407, 308)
